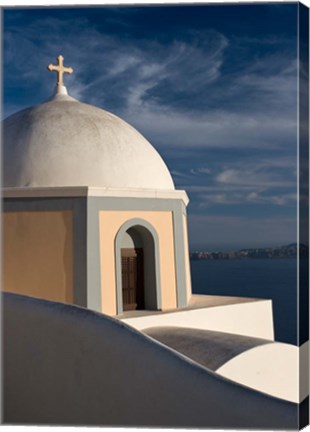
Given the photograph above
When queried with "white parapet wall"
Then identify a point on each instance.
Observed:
(278, 369)
(70, 366)
(254, 319)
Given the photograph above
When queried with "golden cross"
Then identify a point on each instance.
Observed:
(60, 69)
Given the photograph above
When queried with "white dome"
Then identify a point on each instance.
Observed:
(64, 142)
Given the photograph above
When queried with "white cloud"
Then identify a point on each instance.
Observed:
(259, 181)
(213, 129)
(200, 171)
(220, 198)
(280, 200)
(122, 63)
(253, 178)
(243, 196)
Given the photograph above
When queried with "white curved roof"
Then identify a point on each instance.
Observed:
(64, 142)
(110, 373)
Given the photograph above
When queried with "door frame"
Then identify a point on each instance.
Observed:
(132, 223)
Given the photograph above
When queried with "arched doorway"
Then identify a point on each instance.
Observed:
(137, 267)
(132, 261)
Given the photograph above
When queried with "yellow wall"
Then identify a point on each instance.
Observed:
(110, 223)
(37, 254)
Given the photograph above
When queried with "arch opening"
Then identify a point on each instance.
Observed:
(137, 269)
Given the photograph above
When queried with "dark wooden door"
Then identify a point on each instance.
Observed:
(132, 279)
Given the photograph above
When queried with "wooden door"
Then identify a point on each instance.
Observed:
(132, 279)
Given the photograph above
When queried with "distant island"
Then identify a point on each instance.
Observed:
(288, 251)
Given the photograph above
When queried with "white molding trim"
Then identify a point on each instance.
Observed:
(85, 191)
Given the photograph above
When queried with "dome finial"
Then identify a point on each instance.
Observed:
(60, 69)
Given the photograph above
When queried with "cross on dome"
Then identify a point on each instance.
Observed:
(60, 69)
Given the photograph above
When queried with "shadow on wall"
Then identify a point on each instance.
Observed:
(68, 365)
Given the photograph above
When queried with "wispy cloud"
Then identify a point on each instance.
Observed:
(253, 178)
(256, 181)
(281, 200)
(176, 93)
(242, 197)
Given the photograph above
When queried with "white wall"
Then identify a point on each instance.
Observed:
(273, 368)
(68, 365)
(249, 319)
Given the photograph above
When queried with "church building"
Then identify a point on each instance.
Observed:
(91, 215)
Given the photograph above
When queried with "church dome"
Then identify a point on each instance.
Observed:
(64, 142)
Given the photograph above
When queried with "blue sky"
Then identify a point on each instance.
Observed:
(213, 88)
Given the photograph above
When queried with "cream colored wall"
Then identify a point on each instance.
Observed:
(37, 254)
(186, 258)
(110, 223)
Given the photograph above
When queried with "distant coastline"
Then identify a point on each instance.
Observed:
(287, 251)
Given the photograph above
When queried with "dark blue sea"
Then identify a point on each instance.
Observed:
(274, 279)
